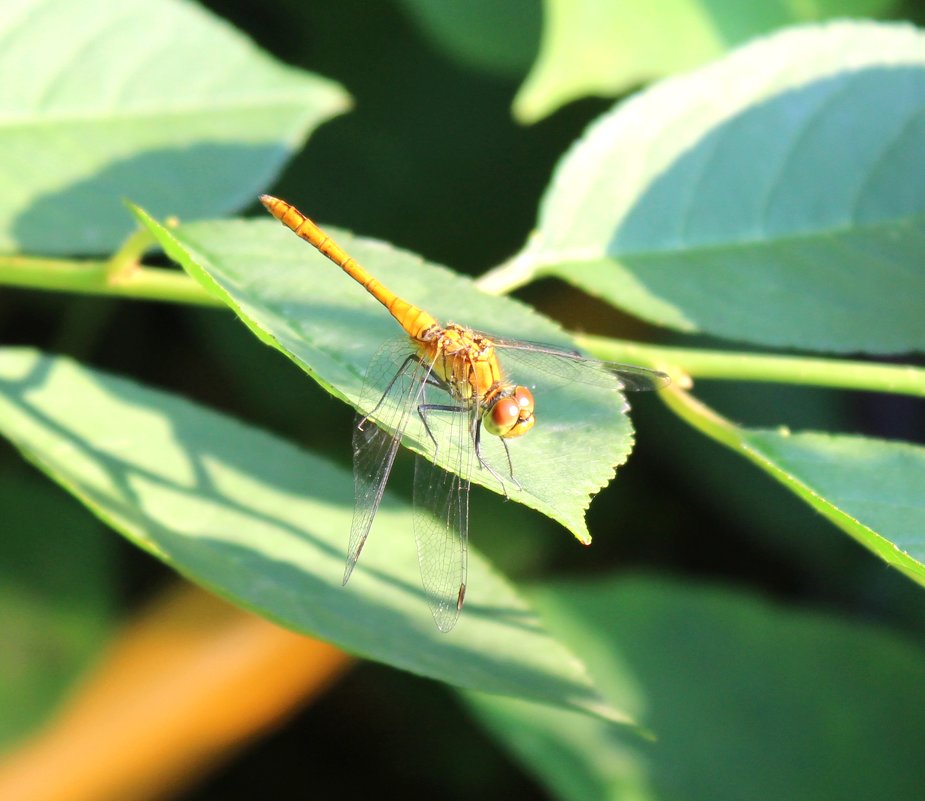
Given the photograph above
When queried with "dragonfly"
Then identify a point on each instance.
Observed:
(455, 373)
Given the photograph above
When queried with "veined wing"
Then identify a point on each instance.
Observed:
(441, 510)
(570, 365)
(394, 384)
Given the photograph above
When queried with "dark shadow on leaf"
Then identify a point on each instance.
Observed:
(89, 217)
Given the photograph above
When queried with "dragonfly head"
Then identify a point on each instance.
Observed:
(511, 414)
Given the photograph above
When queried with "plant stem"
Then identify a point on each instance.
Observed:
(120, 278)
(123, 276)
(508, 276)
(702, 417)
(713, 425)
(128, 257)
(743, 366)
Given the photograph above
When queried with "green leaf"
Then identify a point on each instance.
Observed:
(294, 299)
(747, 700)
(775, 197)
(56, 600)
(496, 37)
(872, 489)
(157, 100)
(265, 525)
(595, 48)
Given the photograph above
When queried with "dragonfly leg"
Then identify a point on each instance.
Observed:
(411, 359)
(425, 408)
(510, 464)
(477, 440)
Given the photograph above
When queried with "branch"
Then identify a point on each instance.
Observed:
(100, 278)
(743, 366)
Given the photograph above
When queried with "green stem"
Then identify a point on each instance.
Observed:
(128, 257)
(692, 363)
(123, 276)
(102, 278)
(508, 276)
(702, 417)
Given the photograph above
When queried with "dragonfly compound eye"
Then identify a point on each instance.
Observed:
(511, 415)
(525, 419)
(524, 398)
(502, 416)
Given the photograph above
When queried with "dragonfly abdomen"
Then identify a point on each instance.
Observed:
(414, 320)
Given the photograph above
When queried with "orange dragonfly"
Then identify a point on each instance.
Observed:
(460, 369)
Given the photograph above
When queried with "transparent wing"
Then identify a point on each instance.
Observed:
(570, 365)
(393, 386)
(441, 508)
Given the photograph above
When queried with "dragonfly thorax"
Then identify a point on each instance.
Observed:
(464, 361)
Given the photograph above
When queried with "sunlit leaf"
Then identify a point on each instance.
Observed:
(296, 300)
(775, 197)
(746, 700)
(157, 100)
(265, 525)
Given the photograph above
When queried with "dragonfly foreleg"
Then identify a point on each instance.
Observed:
(477, 440)
(510, 464)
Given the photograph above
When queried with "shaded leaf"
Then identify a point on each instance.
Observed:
(496, 37)
(747, 700)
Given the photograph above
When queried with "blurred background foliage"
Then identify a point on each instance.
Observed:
(431, 160)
